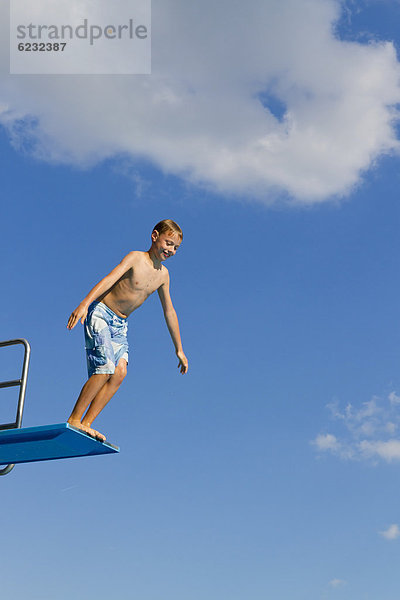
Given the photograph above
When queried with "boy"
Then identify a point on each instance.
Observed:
(104, 312)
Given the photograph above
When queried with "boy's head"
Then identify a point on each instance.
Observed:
(166, 239)
(168, 226)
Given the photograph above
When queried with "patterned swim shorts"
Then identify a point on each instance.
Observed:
(106, 339)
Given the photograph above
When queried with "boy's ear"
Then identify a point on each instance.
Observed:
(155, 235)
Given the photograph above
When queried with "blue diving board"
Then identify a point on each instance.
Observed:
(49, 442)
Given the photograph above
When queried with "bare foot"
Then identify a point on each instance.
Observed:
(78, 425)
(99, 436)
(96, 434)
(88, 430)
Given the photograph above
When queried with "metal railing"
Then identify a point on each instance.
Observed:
(22, 389)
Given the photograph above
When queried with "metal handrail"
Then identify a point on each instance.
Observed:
(21, 399)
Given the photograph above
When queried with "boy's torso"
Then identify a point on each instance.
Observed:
(135, 286)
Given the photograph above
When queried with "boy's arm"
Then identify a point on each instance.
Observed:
(172, 324)
(105, 284)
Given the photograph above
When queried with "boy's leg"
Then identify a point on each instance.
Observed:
(100, 362)
(103, 332)
(105, 393)
(89, 391)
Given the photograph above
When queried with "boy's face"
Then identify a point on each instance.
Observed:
(166, 244)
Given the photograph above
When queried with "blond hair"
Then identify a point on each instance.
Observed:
(166, 226)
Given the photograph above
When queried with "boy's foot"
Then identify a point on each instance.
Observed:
(92, 432)
(99, 436)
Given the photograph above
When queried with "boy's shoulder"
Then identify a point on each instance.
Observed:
(135, 256)
(138, 256)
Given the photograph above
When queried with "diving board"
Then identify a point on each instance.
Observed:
(49, 442)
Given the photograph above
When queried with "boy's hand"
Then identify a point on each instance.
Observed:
(78, 314)
(183, 362)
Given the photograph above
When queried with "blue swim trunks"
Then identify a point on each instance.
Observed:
(106, 339)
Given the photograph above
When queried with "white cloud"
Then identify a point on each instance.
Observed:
(389, 450)
(394, 398)
(326, 442)
(199, 115)
(391, 533)
(329, 443)
(366, 432)
(335, 583)
(391, 427)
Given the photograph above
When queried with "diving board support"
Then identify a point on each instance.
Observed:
(21, 382)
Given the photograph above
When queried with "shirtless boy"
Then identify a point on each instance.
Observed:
(104, 312)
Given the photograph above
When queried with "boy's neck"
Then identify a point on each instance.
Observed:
(155, 261)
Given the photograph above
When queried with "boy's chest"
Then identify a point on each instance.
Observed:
(145, 280)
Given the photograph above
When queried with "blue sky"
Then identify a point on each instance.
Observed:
(270, 470)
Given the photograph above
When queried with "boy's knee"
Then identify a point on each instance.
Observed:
(120, 372)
